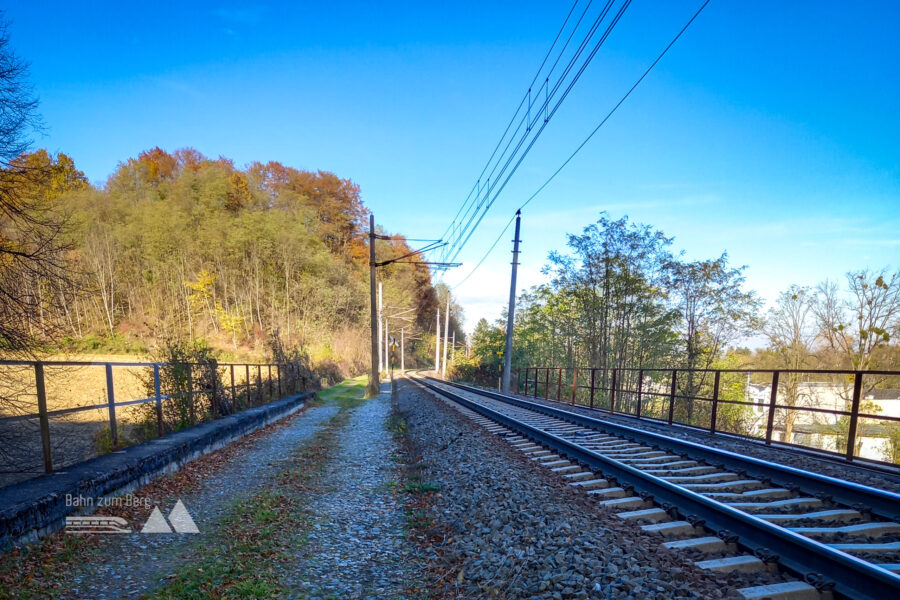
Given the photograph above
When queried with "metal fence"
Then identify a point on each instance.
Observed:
(202, 392)
(853, 414)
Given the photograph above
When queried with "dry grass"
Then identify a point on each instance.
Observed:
(79, 435)
(74, 386)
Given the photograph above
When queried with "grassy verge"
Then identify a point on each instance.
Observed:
(347, 394)
(262, 535)
(45, 569)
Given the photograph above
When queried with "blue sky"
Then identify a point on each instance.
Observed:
(769, 131)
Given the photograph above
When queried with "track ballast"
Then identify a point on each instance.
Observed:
(741, 513)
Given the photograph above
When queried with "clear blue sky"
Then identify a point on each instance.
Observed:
(770, 130)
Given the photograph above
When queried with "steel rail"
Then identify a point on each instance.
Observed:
(852, 576)
(837, 458)
(883, 503)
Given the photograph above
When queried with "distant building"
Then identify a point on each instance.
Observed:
(824, 430)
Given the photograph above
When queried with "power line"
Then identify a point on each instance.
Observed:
(618, 104)
(460, 242)
(491, 249)
(587, 139)
(526, 119)
(518, 108)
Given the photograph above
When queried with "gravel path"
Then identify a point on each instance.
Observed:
(513, 530)
(129, 566)
(357, 546)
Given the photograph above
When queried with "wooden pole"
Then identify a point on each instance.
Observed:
(42, 415)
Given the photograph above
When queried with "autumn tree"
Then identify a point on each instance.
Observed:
(33, 269)
(856, 326)
(714, 310)
(790, 330)
(606, 304)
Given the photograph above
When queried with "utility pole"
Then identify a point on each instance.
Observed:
(507, 354)
(446, 336)
(402, 351)
(374, 382)
(381, 355)
(453, 345)
(380, 328)
(437, 344)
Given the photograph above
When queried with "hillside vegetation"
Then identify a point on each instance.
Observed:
(180, 246)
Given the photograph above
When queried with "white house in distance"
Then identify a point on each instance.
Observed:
(828, 431)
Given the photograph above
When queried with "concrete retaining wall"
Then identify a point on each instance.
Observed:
(37, 507)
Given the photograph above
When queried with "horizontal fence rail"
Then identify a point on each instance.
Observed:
(182, 394)
(846, 413)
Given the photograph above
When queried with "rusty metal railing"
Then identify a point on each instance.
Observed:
(853, 414)
(216, 381)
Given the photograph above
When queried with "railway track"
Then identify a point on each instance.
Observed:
(730, 512)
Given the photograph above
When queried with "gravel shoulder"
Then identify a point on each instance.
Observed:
(309, 507)
(129, 566)
(357, 544)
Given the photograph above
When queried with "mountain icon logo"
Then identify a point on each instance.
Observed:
(180, 519)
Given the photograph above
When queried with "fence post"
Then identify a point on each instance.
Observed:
(547, 384)
(259, 388)
(44, 419)
(280, 393)
(213, 401)
(190, 382)
(249, 393)
(157, 391)
(271, 390)
(612, 392)
(715, 406)
(292, 370)
(854, 414)
(559, 386)
(111, 402)
(535, 381)
(770, 424)
(640, 391)
(233, 392)
(672, 397)
(593, 375)
(574, 384)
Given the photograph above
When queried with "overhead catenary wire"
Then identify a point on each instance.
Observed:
(616, 107)
(543, 109)
(586, 140)
(491, 196)
(526, 119)
(512, 119)
(486, 254)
